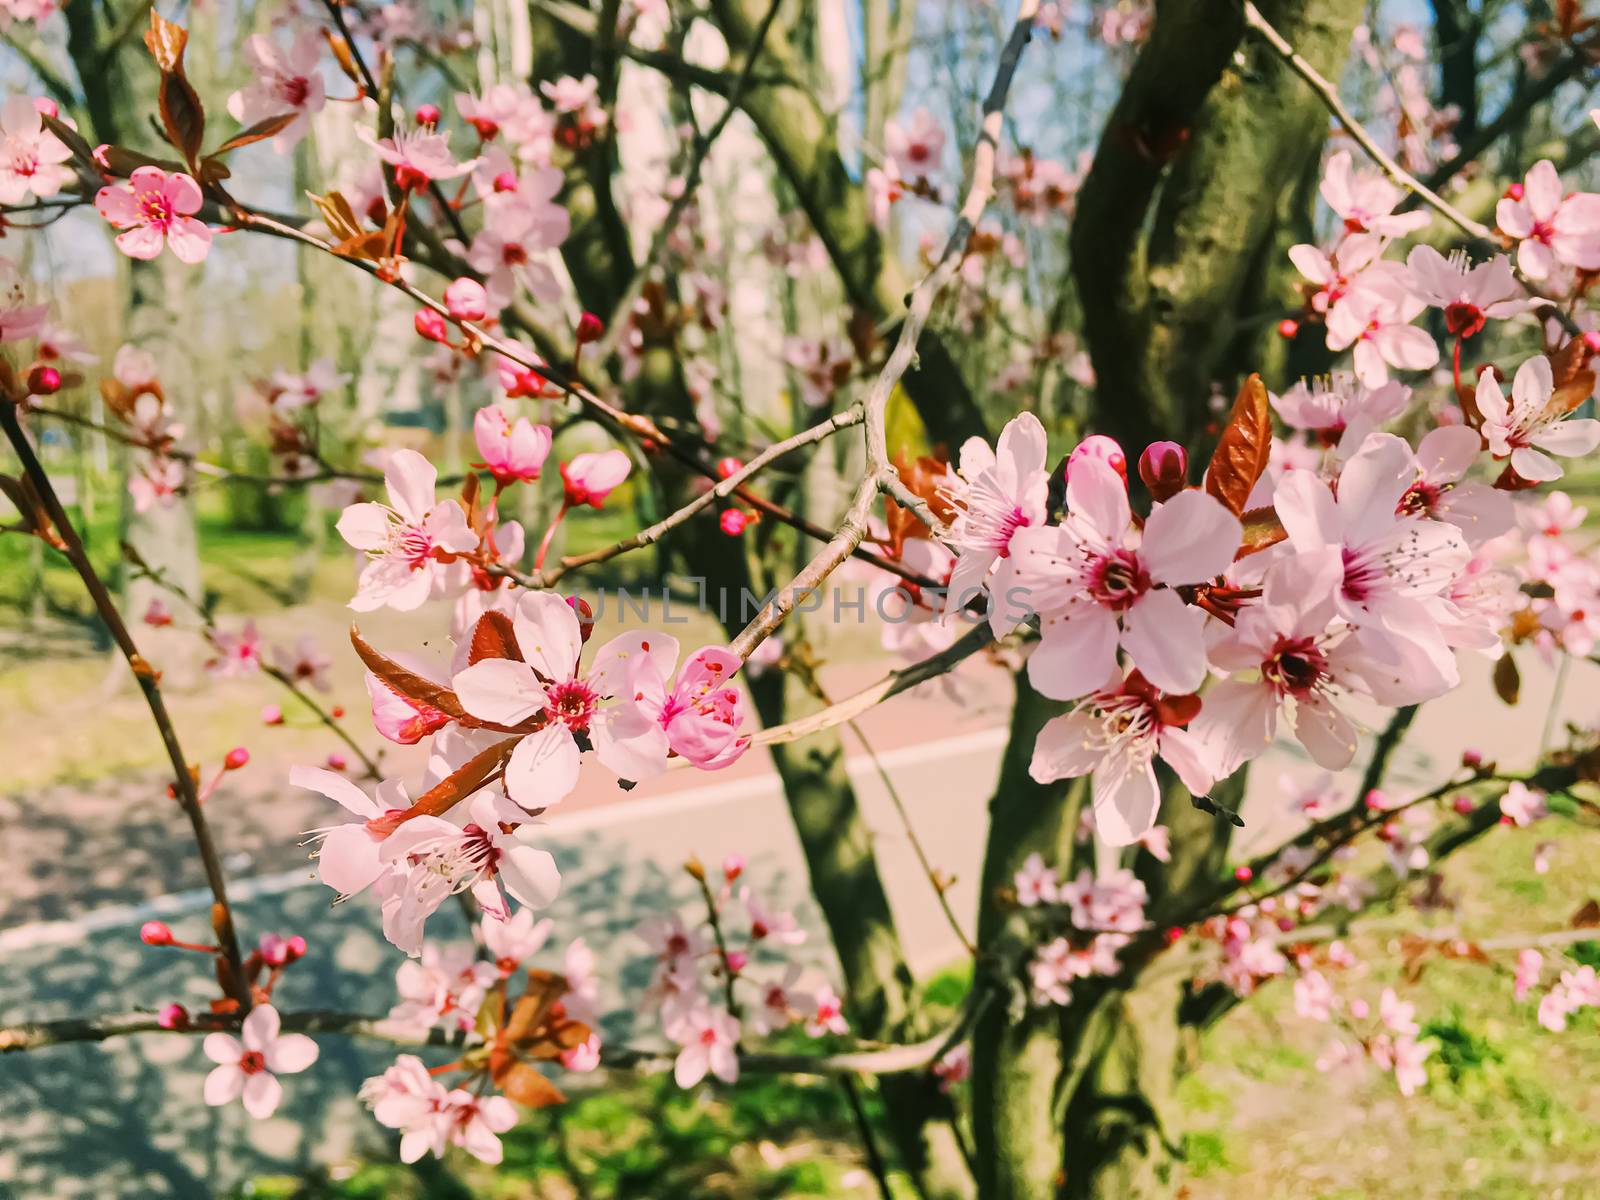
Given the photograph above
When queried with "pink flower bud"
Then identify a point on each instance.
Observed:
(733, 867)
(337, 762)
(1288, 329)
(1514, 192)
(173, 1016)
(272, 715)
(428, 114)
(236, 758)
(1243, 874)
(585, 615)
(1173, 935)
(1376, 800)
(733, 522)
(738, 960)
(1591, 341)
(1471, 759)
(431, 325)
(1100, 447)
(466, 300)
(1164, 468)
(44, 381)
(1285, 924)
(590, 329)
(1360, 1009)
(1462, 805)
(590, 478)
(506, 181)
(727, 467)
(155, 933)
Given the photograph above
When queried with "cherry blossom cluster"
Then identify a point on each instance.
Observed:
(1083, 924)
(462, 989)
(704, 991)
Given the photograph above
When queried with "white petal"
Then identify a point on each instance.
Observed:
(410, 479)
(530, 875)
(262, 1094)
(501, 690)
(543, 768)
(1326, 732)
(548, 634)
(223, 1085)
(291, 1053)
(1062, 749)
(222, 1048)
(364, 526)
(1077, 650)
(1126, 800)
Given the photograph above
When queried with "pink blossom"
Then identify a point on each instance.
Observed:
(583, 1057)
(408, 540)
(348, 855)
(602, 705)
(513, 248)
(407, 1098)
(1408, 1056)
(287, 81)
(1529, 965)
(1397, 1015)
(1468, 295)
(156, 209)
(304, 664)
(590, 478)
(237, 653)
(1314, 998)
(709, 1036)
(827, 1014)
(1299, 664)
(1365, 200)
(1522, 805)
(511, 451)
(250, 1064)
(434, 858)
(1551, 229)
(1393, 567)
(1340, 410)
(32, 159)
(1035, 883)
(1116, 733)
(1442, 460)
(157, 484)
(400, 718)
(1526, 427)
(1375, 318)
(515, 940)
(419, 156)
(778, 927)
(780, 1003)
(1109, 903)
(914, 147)
(444, 987)
(994, 493)
(1335, 272)
(953, 1067)
(702, 713)
(1098, 583)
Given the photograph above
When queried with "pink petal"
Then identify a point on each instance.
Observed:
(190, 240)
(1077, 650)
(291, 1053)
(548, 635)
(141, 242)
(1097, 495)
(543, 769)
(1126, 800)
(223, 1085)
(1190, 539)
(1165, 638)
(411, 480)
(501, 690)
(262, 1095)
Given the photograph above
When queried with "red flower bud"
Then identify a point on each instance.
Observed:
(1164, 467)
(431, 325)
(590, 329)
(1591, 341)
(1243, 874)
(733, 867)
(155, 933)
(506, 181)
(1288, 329)
(236, 758)
(428, 114)
(1514, 192)
(1471, 759)
(733, 522)
(336, 761)
(738, 960)
(1103, 448)
(585, 615)
(728, 466)
(173, 1016)
(1462, 804)
(1173, 935)
(44, 381)
(337, 712)
(272, 715)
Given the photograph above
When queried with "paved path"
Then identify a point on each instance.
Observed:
(123, 1119)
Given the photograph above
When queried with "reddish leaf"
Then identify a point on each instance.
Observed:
(165, 40)
(182, 115)
(123, 162)
(72, 140)
(459, 784)
(258, 132)
(526, 1085)
(408, 683)
(1261, 529)
(493, 637)
(1243, 449)
(1587, 916)
(341, 54)
(1574, 378)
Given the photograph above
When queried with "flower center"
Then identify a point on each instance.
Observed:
(1421, 498)
(295, 91)
(412, 544)
(1463, 319)
(1119, 579)
(1296, 666)
(572, 703)
(253, 1062)
(155, 210)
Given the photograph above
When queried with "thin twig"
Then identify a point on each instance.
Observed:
(183, 783)
(869, 1142)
